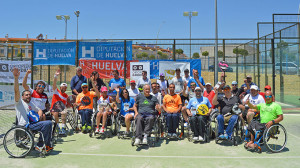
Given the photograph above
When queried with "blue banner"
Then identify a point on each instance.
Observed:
(154, 66)
(104, 50)
(54, 53)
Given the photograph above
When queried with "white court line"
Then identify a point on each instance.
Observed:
(294, 135)
(187, 157)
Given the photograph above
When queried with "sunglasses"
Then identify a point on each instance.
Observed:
(268, 96)
(233, 85)
(132, 83)
(193, 85)
(84, 87)
(41, 86)
(226, 89)
(198, 90)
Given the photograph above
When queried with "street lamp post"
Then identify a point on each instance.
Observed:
(216, 43)
(190, 14)
(65, 18)
(77, 15)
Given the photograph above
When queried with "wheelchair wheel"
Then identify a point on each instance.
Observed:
(275, 138)
(93, 124)
(216, 132)
(133, 133)
(18, 142)
(114, 125)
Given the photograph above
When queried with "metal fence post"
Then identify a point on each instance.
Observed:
(223, 49)
(281, 76)
(48, 74)
(266, 65)
(76, 56)
(32, 55)
(125, 66)
(237, 66)
(273, 66)
(12, 53)
(254, 75)
(257, 63)
(174, 50)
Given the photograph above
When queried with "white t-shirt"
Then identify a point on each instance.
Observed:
(141, 81)
(163, 85)
(158, 96)
(254, 100)
(179, 84)
(186, 80)
(22, 109)
(133, 93)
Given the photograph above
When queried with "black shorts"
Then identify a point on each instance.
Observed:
(256, 126)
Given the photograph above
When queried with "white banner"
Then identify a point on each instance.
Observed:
(168, 68)
(136, 69)
(6, 67)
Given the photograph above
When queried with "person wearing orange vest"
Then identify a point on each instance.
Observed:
(58, 105)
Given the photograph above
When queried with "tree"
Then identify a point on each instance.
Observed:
(196, 55)
(220, 53)
(205, 53)
(159, 53)
(164, 56)
(152, 57)
(240, 51)
(144, 55)
(19, 55)
(179, 51)
(139, 56)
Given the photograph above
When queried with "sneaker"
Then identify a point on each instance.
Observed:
(137, 142)
(221, 136)
(101, 131)
(39, 148)
(225, 136)
(126, 133)
(89, 128)
(145, 141)
(195, 138)
(62, 131)
(83, 128)
(48, 149)
(185, 124)
(174, 135)
(200, 138)
(169, 135)
(97, 131)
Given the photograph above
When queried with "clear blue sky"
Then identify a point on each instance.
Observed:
(138, 18)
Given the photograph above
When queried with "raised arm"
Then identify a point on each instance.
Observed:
(215, 99)
(24, 83)
(118, 97)
(94, 86)
(57, 73)
(16, 74)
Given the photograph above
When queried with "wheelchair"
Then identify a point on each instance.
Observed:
(164, 127)
(209, 131)
(110, 126)
(121, 123)
(273, 138)
(156, 131)
(237, 132)
(19, 141)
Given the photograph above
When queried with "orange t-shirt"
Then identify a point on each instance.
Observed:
(172, 102)
(86, 100)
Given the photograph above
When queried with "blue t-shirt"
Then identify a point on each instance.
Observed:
(244, 85)
(127, 102)
(119, 81)
(76, 82)
(194, 102)
(193, 80)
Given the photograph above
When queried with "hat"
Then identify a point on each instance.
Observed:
(84, 84)
(132, 81)
(186, 70)
(227, 86)
(177, 69)
(249, 76)
(161, 74)
(254, 87)
(104, 89)
(268, 87)
(234, 83)
(63, 84)
(208, 84)
(197, 88)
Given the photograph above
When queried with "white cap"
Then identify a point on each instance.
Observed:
(234, 83)
(63, 84)
(254, 87)
(197, 88)
(208, 84)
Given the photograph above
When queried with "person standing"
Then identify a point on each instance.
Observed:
(133, 91)
(144, 80)
(116, 82)
(164, 84)
(77, 81)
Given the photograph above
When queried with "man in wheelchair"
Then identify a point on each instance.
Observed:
(226, 104)
(198, 121)
(172, 105)
(145, 116)
(29, 115)
(270, 113)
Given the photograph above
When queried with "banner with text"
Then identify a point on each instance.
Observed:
(54, 53)
(104, 67)
(6, 67)
(104, 50)
(136, 69)
(169, 69)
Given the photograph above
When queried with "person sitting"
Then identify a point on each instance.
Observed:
(38, 95)
(127, 109)
(24, 106)
(84, 102)
(104, 109)
(59, 102)
(172, 105)
(209, 93)
(255, 99)
(145, 116)
(198, 122)
(226, 103)
(270, 113)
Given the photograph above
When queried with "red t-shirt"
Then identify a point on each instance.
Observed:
(210, 97)
(59, 96)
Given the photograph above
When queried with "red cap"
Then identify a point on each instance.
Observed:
(268, 87)
(104, 89)
(132, 81)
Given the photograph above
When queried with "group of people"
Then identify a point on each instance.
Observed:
(144, 100)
